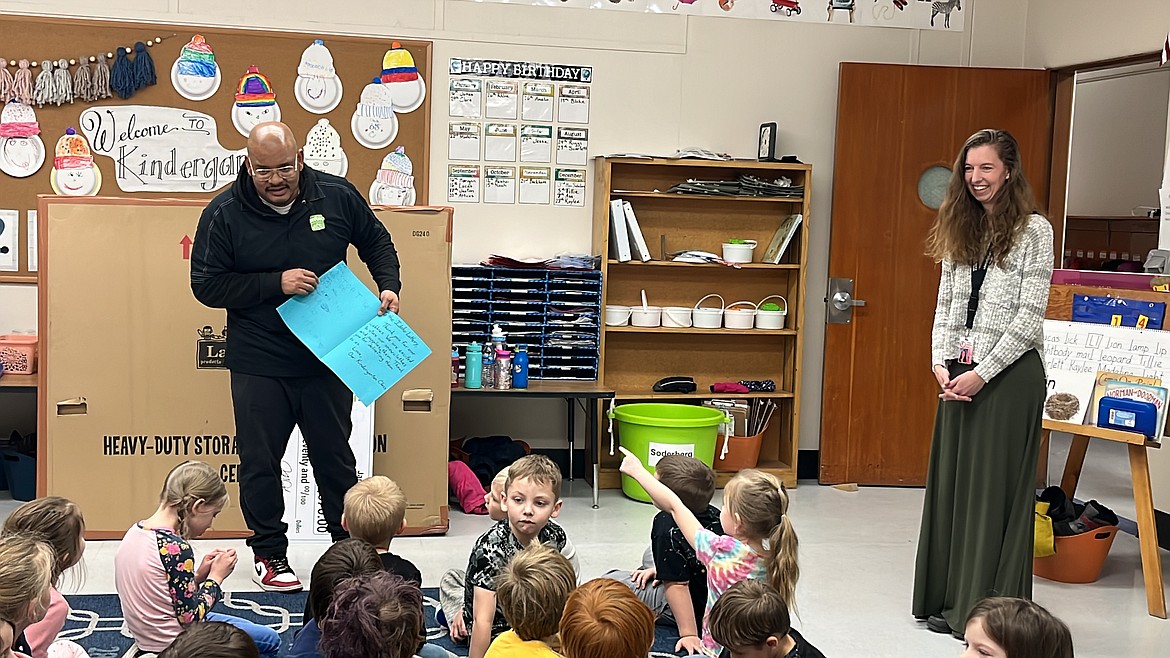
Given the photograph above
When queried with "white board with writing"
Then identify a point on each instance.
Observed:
(1075, 351)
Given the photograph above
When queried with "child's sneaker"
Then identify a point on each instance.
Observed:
(273, 574)
(1096, 516)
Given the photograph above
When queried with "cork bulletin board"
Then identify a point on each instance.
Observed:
(281, 57)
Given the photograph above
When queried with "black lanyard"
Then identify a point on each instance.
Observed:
(978, 274)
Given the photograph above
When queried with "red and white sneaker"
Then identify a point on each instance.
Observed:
(273, 574)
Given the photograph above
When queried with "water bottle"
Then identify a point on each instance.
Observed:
(503, 370)
(454, 367)
(488, 372)
(498, 338)
(474, 370)
(520, 367)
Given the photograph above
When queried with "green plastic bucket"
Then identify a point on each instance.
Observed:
(652, 431)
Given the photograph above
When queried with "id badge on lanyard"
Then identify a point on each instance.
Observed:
(966, 347)
(966, 352)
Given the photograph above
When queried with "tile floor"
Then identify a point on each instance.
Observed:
(856, 557)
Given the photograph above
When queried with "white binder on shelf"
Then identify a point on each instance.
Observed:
(619, 236)
(636, 236)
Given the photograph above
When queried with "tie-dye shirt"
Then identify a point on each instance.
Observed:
(728, 561)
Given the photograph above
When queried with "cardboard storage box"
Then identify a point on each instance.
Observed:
(133, 379)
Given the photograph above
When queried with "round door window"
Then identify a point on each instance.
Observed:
(932, 186)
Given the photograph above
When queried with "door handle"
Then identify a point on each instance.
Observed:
(839, 302)
(842, 301)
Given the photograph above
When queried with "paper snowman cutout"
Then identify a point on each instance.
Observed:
(318, 89)
(195, 75)
(255, 102)
(394, 185)
(21, 150)
(74, 171)
(374, 124)
(400, 75)
(323, 150)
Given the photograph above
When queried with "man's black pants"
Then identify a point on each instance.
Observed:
(266, 410)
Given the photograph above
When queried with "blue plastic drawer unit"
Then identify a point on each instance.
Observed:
(556, 313)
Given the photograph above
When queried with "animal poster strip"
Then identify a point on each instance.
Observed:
(914, 14)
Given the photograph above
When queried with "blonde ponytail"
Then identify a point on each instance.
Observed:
(783, 571)
(189, 483)
(760, 503)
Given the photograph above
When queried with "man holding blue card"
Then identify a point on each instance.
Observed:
(261, 242)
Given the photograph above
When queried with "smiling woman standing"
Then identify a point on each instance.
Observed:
(996, 253)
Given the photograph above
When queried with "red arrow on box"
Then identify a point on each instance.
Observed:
(186, 242)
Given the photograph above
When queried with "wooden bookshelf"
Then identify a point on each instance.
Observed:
(633, 358)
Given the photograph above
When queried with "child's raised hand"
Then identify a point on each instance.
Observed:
(630, 464)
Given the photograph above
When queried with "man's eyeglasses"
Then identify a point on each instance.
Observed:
(266, 173)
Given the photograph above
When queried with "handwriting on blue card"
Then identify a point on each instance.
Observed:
(339, 323)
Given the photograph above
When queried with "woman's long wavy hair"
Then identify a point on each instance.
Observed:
(964, 232)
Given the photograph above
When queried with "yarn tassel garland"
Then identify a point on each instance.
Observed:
(144, 75)
(43, 91)
(81, 82)
(62, 83)
(22, 85)
(6, 82)
(100, 87)
(122, 75)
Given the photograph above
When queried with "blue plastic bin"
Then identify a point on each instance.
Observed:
(21, 472)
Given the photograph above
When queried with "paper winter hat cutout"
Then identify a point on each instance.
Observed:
(74, 172)
(401, 77)
(317, 89)
(255, 102)
(394, 184)
(323, 150)
(21, 150)
(374, 124)
(254, 89)
(195, 74)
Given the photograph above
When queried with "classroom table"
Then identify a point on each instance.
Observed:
(570, 392)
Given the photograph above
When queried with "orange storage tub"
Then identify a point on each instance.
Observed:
(18, 354)
(742, 452)
(1078, 558)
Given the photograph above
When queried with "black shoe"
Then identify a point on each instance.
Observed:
(938, 625)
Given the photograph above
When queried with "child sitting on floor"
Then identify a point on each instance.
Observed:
(1002, 627)
(59, 523)
(755, 511)
(161, 589)
(603, 619)
(672, 580)
(377, 615)
(346, 559)
(751, 619)
(375, 512)
(26, 576)
(532, 499)
(532, 590)
(211, 639)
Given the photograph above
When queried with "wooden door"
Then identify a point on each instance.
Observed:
(893, 123)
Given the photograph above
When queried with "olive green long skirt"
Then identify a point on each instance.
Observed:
(978, 517)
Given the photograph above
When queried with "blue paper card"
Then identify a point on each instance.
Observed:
(339, 323)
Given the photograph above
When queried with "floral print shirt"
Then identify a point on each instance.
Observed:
(192, 600)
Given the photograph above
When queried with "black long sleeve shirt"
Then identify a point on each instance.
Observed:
(242, 247)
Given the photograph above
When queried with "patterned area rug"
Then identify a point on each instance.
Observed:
(96, 621)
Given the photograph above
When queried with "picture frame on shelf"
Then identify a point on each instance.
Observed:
(778, 245)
